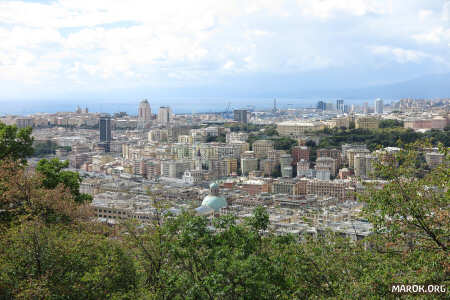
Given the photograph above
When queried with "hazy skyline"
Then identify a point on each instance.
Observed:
(117, 49)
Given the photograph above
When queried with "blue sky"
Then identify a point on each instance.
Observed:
(115, 48)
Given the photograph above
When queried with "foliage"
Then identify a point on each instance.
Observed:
(389, 123)
(276, 172)
(15, 143)
(284, 143)
(410, 215)
(271, 130)
(220, 139)
(280, 143)
(54, 262)
(235, 127)
(53, 173)
(411, 209)
(388, 137)
(23, 195)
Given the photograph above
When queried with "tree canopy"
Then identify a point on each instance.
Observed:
(15, 143)
(54, 174)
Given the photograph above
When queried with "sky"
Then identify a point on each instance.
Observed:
(91, 49)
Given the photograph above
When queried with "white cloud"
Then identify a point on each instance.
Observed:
(446, 11)
(424, 14)
(435, 36)
(398, 54)
(154, 42)
(325, 9)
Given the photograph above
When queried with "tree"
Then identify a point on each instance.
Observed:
(15, 143)
(284, 143)
(410, 217)
(276, 172)
(23, 196)
(54, 262)
(53, 173)
(412, 208)
(310, 143)
(271, 130)
(220, 139)
(389, 123)
(260, 220)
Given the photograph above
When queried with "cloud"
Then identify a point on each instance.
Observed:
(398, 54)
(326, 9)
(435, 36)
(86, 43)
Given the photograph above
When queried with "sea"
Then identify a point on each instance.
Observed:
(179, 105)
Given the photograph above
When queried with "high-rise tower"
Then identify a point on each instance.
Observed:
(144, 114)
(164, 115)
(240, 115)
(379, 106)
(104, 126)
(340, 105)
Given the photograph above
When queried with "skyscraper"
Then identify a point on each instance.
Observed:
(144, 114)
(379, 106)
(240, 115)
(340, 105)
(105, 131)
(366, 108)
(329, 106)
(321, 105)
(164, 115)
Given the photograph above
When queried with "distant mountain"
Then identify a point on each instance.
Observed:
(429, 86)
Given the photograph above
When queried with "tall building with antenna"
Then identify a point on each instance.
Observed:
(274, 110)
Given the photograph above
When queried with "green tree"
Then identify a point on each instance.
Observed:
(15, 143)
(410, 217)
(411, 207)
(284, 143)
(53, 173)
(389, 123)
(23, 196)
(54, 262)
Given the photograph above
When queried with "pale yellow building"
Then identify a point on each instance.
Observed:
(370, 123)
(297, 128)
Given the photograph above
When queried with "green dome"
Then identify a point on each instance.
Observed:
(213, 185)
(214, 202)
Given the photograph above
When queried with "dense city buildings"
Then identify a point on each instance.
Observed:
(281, 158)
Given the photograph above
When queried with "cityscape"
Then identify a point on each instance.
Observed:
(270, 158)
(192, 179)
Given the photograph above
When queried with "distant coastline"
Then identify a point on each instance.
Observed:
(178, 104)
